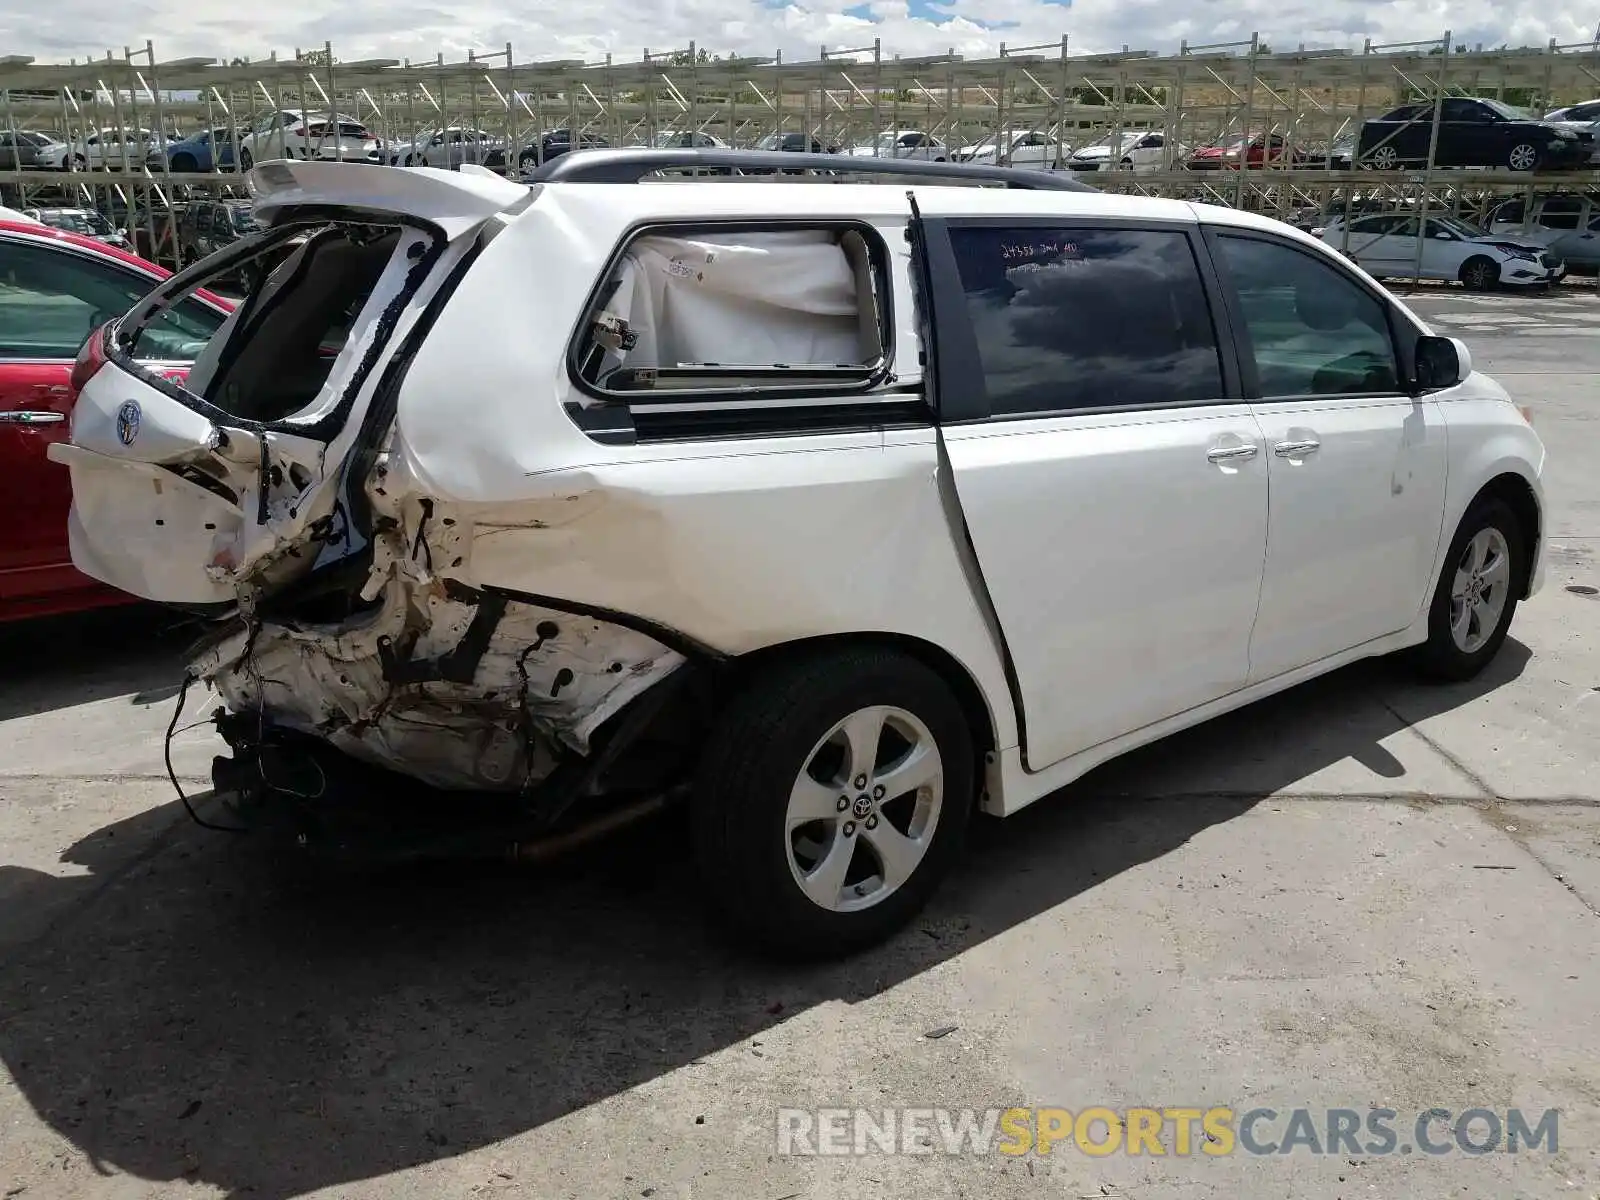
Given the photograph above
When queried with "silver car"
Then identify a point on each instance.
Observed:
(1567, 223)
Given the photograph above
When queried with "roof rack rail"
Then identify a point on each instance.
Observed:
(632, 165)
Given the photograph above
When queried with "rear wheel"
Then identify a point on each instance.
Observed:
(1476, 595)
(1384, 158)
(1480, 274)
(1524, 156)
(833, 796)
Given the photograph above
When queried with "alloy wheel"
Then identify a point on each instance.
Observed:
(1478, 276)
(1524, 156)
(1479, 591)
(1385, 158)
(862, 813)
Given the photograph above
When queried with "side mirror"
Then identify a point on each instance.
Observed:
(1442, 362)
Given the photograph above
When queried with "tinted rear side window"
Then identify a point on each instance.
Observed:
(1081, 318)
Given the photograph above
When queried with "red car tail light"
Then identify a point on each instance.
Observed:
(91, 357)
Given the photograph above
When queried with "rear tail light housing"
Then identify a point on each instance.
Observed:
(91, 357)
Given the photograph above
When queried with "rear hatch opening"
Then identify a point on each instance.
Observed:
(311, 310)
(225, 485)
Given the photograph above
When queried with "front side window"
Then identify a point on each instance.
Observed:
(1087, 318)
(55, 299)
(1311, 329)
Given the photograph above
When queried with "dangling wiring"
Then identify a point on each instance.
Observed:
(172, 774)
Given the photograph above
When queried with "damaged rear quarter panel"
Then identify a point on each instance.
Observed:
(739, 544)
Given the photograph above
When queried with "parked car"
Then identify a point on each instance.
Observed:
(903, 143)
(1473, 132)
(155, 233)
(1245, 151)
(301, 134)
(583, 566)
(1568, 224)
(448, 148)
(554, 144)
(688, 139)
(86, 221)
(795, 143)
(1387, 245)
(1017, 148)
(1580, 118)
(32, 150)
(208, 226)
(1339, 156)
(208, 150)
(1132, 150)
(113, 149)
(55, 286)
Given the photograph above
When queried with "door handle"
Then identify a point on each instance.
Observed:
(1230, 453)
(1296, 449)
(31, 418)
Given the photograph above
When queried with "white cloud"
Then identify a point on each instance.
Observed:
(543, 29)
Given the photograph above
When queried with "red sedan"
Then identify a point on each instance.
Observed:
(55, 287)
(1239, 150)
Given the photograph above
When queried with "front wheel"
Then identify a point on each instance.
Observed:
(833, 796)
(526, 163)
(1524, 156)
(1477, 593)
(1480, 274)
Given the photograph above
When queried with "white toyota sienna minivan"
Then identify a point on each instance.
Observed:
(835, 509)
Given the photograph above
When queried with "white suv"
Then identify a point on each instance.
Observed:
(838, 510)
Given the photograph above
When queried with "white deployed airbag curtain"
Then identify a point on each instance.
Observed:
(740, 300)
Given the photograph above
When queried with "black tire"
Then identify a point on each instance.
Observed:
(246, 160)
(183, 162)
(758, 748)
(1480, 274)
(80, 163)
(1440, 657)
(527, 162)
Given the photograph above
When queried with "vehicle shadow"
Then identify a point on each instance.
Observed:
(57, 662)
(200, 1012)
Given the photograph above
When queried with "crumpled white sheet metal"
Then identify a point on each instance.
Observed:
(748, 299)
(547, 679)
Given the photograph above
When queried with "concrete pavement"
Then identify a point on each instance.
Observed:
(1365, 893)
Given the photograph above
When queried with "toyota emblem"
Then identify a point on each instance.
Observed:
(128, 422)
